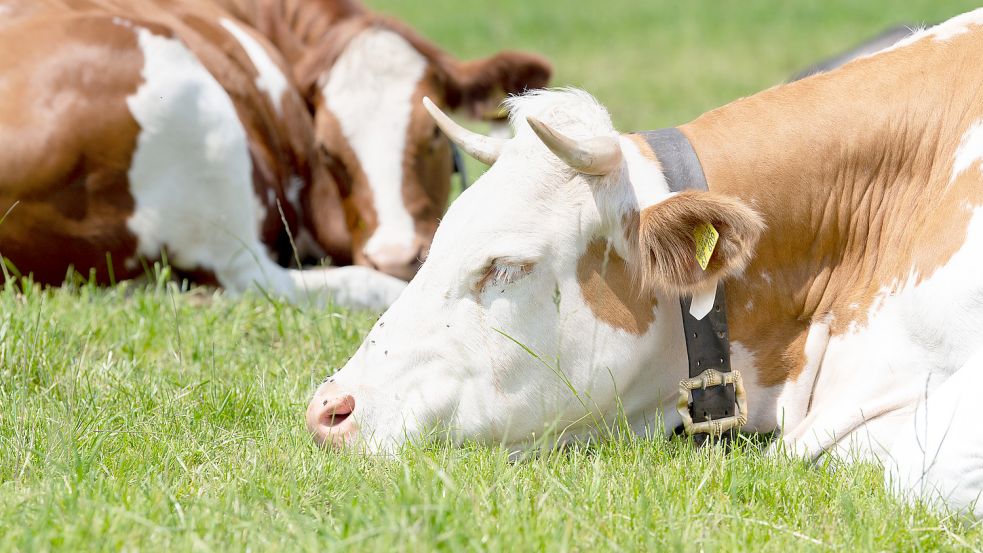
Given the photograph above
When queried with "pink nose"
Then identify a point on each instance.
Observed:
(329, 416)
(398, 261)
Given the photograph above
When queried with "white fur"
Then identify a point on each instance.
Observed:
(916, 336)
(369, 90)
(939, 452)
(271, 78)
(190, 127)
(942, 32)
(191, 180)
(969, 152)
(785, 405)
(648, 182)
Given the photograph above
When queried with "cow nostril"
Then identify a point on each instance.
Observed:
(339, 412)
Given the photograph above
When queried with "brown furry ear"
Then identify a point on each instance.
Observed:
(478, 87)
(669, 248)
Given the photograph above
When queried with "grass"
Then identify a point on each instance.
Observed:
(142, 418)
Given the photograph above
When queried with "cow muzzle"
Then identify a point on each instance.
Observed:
(330, 416)
(400, 262)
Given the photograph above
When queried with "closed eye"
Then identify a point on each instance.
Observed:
(502, 272)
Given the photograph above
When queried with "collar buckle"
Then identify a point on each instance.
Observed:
(708, 379)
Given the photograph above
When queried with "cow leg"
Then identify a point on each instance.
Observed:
(938, 455)
(351, 287)
(354, 287)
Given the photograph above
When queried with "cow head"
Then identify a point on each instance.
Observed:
(394, 164)
(549, 299)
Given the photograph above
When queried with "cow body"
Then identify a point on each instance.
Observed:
(202, 145)
(134, 147)
(849, 211)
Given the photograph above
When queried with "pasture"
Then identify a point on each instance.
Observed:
(147, 418)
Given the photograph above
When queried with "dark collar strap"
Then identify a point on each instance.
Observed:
(707, 340)
(680, 165)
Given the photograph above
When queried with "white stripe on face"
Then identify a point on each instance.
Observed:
(271, 79)
(369, 91)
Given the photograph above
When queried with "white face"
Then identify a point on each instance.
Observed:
(370, 91)
(512, 327)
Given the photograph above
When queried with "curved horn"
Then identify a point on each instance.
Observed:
(595, 156)
(483, 148)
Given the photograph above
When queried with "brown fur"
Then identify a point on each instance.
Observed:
(610, 291)
(850, 172)
(66, 195)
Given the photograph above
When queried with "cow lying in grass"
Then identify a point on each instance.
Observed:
(132, 127)
(850, 248)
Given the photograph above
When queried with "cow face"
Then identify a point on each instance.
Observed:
(394, 164)
(548, 301)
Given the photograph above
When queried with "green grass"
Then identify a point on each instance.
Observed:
(140, 418)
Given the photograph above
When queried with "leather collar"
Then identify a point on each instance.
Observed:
(707, 339)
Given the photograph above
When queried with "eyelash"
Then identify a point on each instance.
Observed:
(507, 274)
(503, 274)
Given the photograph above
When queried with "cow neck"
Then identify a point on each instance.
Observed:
(707, 340)
(838, 166)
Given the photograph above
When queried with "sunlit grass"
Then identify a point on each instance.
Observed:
(144, 418)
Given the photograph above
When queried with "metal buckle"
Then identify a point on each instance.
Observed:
(712, 377)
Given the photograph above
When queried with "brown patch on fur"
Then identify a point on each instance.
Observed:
(428, 165)
(850, 172)
(340, 160)
(66, 145)
(668, 249)
(611, 293)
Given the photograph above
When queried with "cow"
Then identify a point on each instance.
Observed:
(364, 74)
(850, 237)
(132, 128)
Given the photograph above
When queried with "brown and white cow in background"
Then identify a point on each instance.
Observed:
(850, 212)
(134, 126)
(364, 74)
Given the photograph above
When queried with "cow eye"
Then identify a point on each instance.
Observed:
(503, 272)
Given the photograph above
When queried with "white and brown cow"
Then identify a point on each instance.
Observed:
(364, 75)
(129, 127)
(850, 213)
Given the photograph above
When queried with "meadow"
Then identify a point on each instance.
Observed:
(144, 417)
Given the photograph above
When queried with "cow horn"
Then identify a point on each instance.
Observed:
(595, 156)
(483, 148)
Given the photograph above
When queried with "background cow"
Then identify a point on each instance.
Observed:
(364, 75)
(848, 211)
(223, 168)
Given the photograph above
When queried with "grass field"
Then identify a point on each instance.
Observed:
(141, 418)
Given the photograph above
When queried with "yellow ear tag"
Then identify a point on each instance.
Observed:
(706, 241)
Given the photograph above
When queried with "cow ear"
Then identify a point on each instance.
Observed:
(477, 87)
(670, 233)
